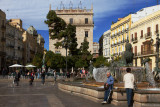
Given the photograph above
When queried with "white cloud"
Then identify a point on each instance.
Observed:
(33, 12)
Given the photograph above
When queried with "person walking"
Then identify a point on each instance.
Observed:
(109, 86)
(43, 77)
(31, 77)
(17, 76)
(55, 76)
(129, 85)
(3, 72)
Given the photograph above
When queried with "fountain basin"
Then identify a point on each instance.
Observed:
(92, 93)
(147, 97)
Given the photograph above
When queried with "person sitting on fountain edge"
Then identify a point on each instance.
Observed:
(109, 84)
(129, 85)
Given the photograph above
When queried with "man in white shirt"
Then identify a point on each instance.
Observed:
(129, 85)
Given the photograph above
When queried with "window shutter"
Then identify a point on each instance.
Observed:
(156, 28)
(141, 33)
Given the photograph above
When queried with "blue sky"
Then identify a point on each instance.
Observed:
(33, 12)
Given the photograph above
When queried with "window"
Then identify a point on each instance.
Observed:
(148, 31)
(116, 32)
(135, 50)
(126, 25)
(3, 22)
(136, 62)
(105, 51)
(112, 50)
(157, 28)
(106, 41)
(86, 20)
(119, 49)
(57, 52)
(94, 51)
(2, 34)
(71, 20)
(86, 33)
(115, 51)
(141, 33)
(122, 48)
(122, 27)
(135, 35)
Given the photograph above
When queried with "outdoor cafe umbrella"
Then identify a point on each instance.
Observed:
(30, 66)
(16, 66)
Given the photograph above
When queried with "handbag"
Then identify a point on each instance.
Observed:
(106, 87)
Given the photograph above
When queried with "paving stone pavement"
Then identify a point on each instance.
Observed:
(38, 95)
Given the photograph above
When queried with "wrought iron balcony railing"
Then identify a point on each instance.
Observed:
(3, 27)
(3, 39)
(148, 35)
(134, 40)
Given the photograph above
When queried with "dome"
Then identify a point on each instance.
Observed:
(40, 39)
(31, 30)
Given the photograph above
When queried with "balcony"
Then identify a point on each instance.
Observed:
(156, 32)
(147, 52)
(3, 27)
(134, 40)
(2, 53)
(141, 37)
(126, 30)
(122, 41)
(122, 31)
(10, 46)
(11, 35)
(148, 35)
(3, 39)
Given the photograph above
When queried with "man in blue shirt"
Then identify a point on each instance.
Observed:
(109, 83)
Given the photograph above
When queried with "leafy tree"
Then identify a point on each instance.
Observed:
(84, 55)
(101, 61)
(37, 60)
(54, 61)
(48, 58)
(61, 31)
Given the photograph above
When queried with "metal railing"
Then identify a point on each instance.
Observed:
(156, 32)
(3, 27)
(3, 39)
(148, 35)
(144, 53)
(134, 40)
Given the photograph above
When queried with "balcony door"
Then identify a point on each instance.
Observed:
(147, 48)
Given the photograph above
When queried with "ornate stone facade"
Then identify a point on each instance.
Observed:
(83, 20)
(14, 44)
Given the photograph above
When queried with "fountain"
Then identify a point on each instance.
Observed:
(146, 95)
(99, 74)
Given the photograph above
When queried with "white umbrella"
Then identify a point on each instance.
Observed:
(30, 66)
(16, 65)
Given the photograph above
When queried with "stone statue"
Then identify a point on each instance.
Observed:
(127, 57)
(91, 68)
